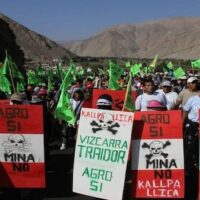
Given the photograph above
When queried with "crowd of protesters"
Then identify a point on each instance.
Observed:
(158, 91)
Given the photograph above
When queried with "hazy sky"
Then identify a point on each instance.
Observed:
(80, 19)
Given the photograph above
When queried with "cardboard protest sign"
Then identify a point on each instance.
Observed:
(117, 95)
(5, 102)
(157, 155)
(101, 153)
(21, 146)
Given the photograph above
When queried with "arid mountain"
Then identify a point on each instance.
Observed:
(32, 47)
(177, 38)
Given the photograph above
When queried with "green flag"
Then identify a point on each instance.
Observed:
(20, 87)
(72, 74)
(128, 64)
(115, 72)
(32, 79)
(196, 64)
(135, 69)
(3, 69)
(179, 72)
(154, 62)
(15, 71)
(146, 70)
(59, 71)
(64, 109)
(50, 80)
(101, 71)
(128, 103)
(170, 65)
(9, 71)
(9, 68)
(79, 72)
(40, 71)
(40, 74)
(5, 85)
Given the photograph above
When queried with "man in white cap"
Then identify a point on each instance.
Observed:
(170, 95)
(192, 90)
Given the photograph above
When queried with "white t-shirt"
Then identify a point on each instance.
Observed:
(143, 100)
(171, 99)
(192, 106)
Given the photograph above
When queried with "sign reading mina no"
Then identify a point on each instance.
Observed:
(21, 146)
(101, 153)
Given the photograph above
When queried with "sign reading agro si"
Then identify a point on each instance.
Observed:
(101, 153)
(157, 155)
(21, 146)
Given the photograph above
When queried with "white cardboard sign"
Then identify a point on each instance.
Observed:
(101, 153)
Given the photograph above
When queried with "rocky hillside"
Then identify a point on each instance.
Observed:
(28, 45)
(177, 38)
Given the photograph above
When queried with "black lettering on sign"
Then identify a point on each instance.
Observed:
(156, 118)
(155, 131)
(17, 157)
(158, 163)
(20, 167)
(163, 174)
(11, 113)
(13, 125)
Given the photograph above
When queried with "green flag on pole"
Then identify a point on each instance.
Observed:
(3, 69)
(196, 64)
(32, 79)
(20, 87)
(154, 62)
(135, 69)
(169, 67)
(179, 72)
(115, 72)
(128, 102)
(50, 81)
(64, 109)
(5, 85)
(59, 71)
(128, 64)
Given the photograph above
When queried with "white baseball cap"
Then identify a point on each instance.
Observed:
(191, 79)
(166, 83)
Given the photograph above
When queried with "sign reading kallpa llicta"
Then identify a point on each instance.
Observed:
(157, 155)
(101, 153)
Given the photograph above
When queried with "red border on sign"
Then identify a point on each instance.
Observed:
(117, 95)
(24, 119)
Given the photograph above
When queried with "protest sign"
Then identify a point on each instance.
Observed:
(21, 146)
(157, 155)
(101, 153)
(5, 102)
(117, 95)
